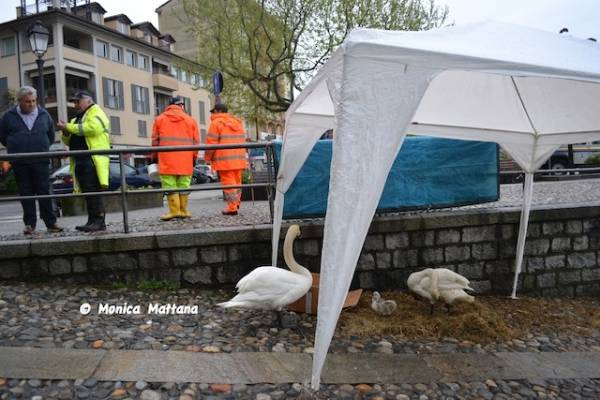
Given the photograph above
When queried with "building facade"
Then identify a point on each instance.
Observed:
(129, 68)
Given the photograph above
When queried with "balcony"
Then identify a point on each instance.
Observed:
(164, 80)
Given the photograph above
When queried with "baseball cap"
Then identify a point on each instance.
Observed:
(176, 100)
(80, 95)
(219, 107)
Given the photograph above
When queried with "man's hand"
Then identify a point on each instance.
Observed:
(62, 125)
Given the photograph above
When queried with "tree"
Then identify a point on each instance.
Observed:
(271, 48)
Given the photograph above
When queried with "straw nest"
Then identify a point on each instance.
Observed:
(489, 319)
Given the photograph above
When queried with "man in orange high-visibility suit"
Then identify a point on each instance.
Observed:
(176, 128)
(230, 163)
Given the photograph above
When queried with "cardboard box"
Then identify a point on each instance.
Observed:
(308, 303)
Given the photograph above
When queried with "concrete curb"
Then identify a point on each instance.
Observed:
(252, 368)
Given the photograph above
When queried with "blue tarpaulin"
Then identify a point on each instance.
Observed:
(427, 173)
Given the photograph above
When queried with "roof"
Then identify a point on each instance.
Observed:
(167, 37)
(96, 7)
(162, 5)
(146, 26)
(18, 23)
(119, 17)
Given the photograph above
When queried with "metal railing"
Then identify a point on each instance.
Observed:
(123, 190)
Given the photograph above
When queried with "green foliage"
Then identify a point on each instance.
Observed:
(8, 183)
(594, 159)
(118, 285)
(246, 176)
(149, 285)
(269, 49)
(156, 285)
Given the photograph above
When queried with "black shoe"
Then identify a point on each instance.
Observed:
(54, 229)
(83, 227)
(28, 230)
(94, 227)
(225, 212)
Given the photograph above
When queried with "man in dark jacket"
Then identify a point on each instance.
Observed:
(27, 128)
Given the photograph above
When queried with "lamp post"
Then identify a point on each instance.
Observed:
(38, 38)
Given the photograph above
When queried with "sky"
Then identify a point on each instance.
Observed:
(582, 17)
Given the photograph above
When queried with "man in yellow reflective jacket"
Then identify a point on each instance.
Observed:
(89, 130)
(230, 163)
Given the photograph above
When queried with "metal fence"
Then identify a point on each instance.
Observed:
(123, 190)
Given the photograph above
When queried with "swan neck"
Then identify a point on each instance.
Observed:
(288, 254)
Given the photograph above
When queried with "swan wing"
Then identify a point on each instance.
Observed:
(270, 288)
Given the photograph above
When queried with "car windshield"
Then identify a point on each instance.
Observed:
(64, 170)
(114, 169)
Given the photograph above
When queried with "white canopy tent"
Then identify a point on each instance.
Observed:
(530, 91)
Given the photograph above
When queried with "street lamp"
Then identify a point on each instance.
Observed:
(38, 38)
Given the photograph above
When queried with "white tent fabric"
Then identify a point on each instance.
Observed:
(528, 90)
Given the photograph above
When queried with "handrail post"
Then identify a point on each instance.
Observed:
(270, 165)
(123, 195)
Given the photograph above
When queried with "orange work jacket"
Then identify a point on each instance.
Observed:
(175, 128)
(226, 129)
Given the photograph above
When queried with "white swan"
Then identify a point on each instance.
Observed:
(433, 284)
(272, 288)
(381, 306)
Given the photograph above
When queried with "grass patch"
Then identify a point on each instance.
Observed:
(148, 286)
(489, 319)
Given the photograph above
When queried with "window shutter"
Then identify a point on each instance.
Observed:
(146, 101)
(105, 91)
(202, 113)
(121, 96)
(133, 97)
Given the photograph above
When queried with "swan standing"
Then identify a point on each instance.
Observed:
(381, 306)
(272, 288)
(433, 284)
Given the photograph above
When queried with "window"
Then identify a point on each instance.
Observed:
(115, 125)
(183, 76)
(7, 46)
(203, 135)
(188, 105)
(140, 99)
(130, 58)
(116, 54)
(202, 113)
(97, 18)
(143, 62)
(142, 128)
(113, 94)
(101, 49)
(123, 27)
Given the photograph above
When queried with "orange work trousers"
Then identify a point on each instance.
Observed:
(233, 197)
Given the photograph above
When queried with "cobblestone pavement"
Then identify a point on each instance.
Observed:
(48, 316)
(207, 214)
(487, 390)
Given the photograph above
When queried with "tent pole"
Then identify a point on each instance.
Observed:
(277, 217)
(527, 195)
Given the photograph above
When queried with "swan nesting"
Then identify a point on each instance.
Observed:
(381, 306)
(272, 288)
(440, 283)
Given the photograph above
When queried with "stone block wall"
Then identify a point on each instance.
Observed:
(562, 252)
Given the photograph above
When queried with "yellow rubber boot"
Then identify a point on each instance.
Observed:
(183, 204)
(173, 207)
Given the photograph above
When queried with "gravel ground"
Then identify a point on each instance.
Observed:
(488, 390)
(48, 316)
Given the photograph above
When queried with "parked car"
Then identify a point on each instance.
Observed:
(62, 181)
(208, 171)
(199, 176)
(584, 155)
